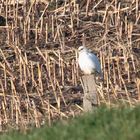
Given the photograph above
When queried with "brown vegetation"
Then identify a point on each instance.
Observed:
(39, 75)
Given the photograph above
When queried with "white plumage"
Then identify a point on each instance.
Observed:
(88, 62)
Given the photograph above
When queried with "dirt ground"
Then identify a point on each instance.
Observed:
(39, 74)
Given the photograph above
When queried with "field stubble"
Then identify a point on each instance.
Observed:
(39, 74)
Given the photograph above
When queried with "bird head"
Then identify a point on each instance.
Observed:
(82, 48)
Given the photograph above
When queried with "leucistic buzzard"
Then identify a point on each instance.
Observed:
(88, 62)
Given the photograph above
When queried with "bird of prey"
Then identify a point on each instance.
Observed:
(88, 62)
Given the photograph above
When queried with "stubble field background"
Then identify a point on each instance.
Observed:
(39, 74)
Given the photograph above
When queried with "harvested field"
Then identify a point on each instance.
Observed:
(39, 74)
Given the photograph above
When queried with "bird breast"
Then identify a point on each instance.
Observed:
(87, 62)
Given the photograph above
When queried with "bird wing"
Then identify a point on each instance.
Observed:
(95, 62)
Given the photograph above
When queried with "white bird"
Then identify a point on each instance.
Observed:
(88, 62)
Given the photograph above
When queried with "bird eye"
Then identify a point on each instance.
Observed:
(80, 48)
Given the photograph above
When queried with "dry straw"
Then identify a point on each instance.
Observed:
(39, 74)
